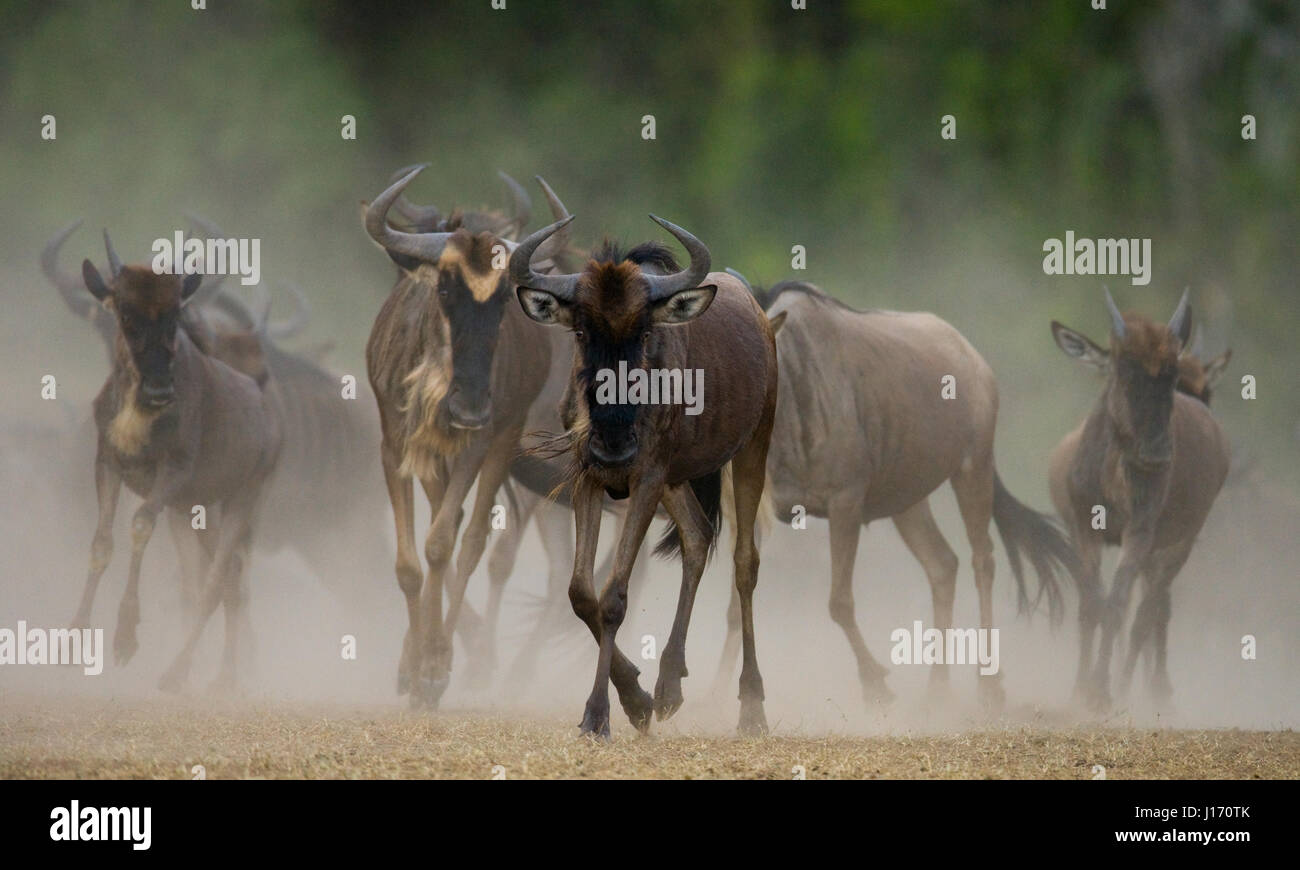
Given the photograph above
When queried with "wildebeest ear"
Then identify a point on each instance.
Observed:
(777, 321)
(1215, 368)
(94, 283)
(405, 262)
(545, 307)
(189, 285)
(1080, 346)
(684, 305)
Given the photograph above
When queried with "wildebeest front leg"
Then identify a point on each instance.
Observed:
(693, 529)
(409, 575)
(492, 473)
(1151, 622)
(1134, 551)
(637, 703)
(128, 612)
(846, 525)
(108, 484)
(434, 672)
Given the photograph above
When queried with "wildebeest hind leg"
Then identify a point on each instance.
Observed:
(748, 471)
(974, 491)
(921, 534)
(846, 526)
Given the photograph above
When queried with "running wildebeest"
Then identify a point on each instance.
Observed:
(636, 310)
(1153, 459)
(180, 429)
(327, 443)
(455, 368)
(864, 432)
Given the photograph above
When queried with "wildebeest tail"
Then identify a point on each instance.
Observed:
(1025, 530)
(708, 489)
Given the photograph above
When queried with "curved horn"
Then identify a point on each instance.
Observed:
(418, 215)
(521, 269)
(71, 288)
(1116, 319)
(114, 262)
(522, 212)
(298, 321)
(424, 246)
(1181, 323)
(663, 286)
(558, 243)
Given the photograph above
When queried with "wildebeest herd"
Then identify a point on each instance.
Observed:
(807, 406)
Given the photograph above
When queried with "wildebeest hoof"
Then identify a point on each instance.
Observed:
(639, 707)
(753, 721)
(427, 691)
(595, 721)
(668, 697)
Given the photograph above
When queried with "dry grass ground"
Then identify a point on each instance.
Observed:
(163, 739)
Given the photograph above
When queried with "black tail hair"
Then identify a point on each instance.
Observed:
(708, 489)
(1042, 540)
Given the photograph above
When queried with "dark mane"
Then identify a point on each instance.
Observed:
(655, 254)
(767, 298)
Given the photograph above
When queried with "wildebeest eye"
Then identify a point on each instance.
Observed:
(442, 291)
(578, 334)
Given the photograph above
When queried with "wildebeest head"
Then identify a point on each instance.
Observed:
(614, 307)
(147, 308)
(465, 271)
(1143, 367)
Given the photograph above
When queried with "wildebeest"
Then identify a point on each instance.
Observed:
(455, 368)
(1140, 472)
(181, 429)
(635, 309)
(327, 442)
(864, 431)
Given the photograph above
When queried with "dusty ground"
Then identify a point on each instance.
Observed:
(98, 738)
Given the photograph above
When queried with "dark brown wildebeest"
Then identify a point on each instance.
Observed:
(864, 432)
(635, 311)
(1153, 459)
(180, 429)
(455, 367)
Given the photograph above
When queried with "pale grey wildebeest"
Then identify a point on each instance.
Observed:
(635, 311)
(181, 429)
(1141, 472)
(864, 432)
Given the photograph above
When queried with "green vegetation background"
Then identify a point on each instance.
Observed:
(775, 127)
